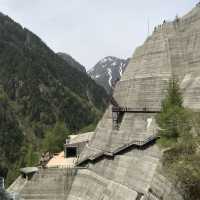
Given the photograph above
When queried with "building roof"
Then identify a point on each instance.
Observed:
(60, 161)
(29, 170)
(83, 137)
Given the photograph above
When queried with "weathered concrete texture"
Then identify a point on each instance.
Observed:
(132, 173)
(112, 178)
(144, 92)
(47, 184)
(173, 49)
(80, 138)
(134, 128)
(161, 188)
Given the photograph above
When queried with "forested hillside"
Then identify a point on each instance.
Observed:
(38, 89)
(71, 61)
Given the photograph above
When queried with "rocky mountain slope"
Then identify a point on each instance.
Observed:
(71, 61)
(37, 89)
(108, 71)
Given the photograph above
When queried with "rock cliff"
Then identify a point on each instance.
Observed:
(108, 71)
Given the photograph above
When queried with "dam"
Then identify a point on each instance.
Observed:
(117, 167)
(122, 159)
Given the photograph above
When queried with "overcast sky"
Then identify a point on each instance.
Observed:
(91, 29)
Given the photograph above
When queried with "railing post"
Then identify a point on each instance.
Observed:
(2, 183)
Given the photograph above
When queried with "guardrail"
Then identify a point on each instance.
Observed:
(2, 186)
(139, 143)
(111, 154)
(135, 110)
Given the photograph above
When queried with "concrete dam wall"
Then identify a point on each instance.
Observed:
(46, 184)
(119, 167)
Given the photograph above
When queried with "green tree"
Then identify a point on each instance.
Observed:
(31, 157)
(179, 134)
(173, 119)
(11, 138)
(55, 138)
(174, 96)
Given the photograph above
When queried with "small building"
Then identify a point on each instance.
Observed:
(75, 144)
(72, 149)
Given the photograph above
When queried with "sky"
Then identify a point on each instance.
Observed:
(89, 30)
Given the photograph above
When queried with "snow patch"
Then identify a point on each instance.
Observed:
(90, 71)
(97, 76)
(121, 69)
(110, 76)
(104, 60)
(110, 59)
(114, 63)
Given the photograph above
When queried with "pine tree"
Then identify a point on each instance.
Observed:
(55, 138)
(171, 112)
(179, 133)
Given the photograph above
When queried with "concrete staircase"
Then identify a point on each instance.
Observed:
(49, 184)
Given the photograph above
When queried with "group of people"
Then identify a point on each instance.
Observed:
(177, 19)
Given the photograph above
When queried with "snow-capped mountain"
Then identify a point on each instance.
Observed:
(108, 71)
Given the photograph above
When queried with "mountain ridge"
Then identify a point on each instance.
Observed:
(108, 71)
(39, 89)
(71, 61)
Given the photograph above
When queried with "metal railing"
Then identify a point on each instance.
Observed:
(135, 110)
(2, 186)
(138, 143)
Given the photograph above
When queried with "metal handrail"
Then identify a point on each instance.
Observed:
(111, 154)
(136, 110)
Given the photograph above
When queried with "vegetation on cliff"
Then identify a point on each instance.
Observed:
(53, 141)
(180, 135)
(38, 91)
